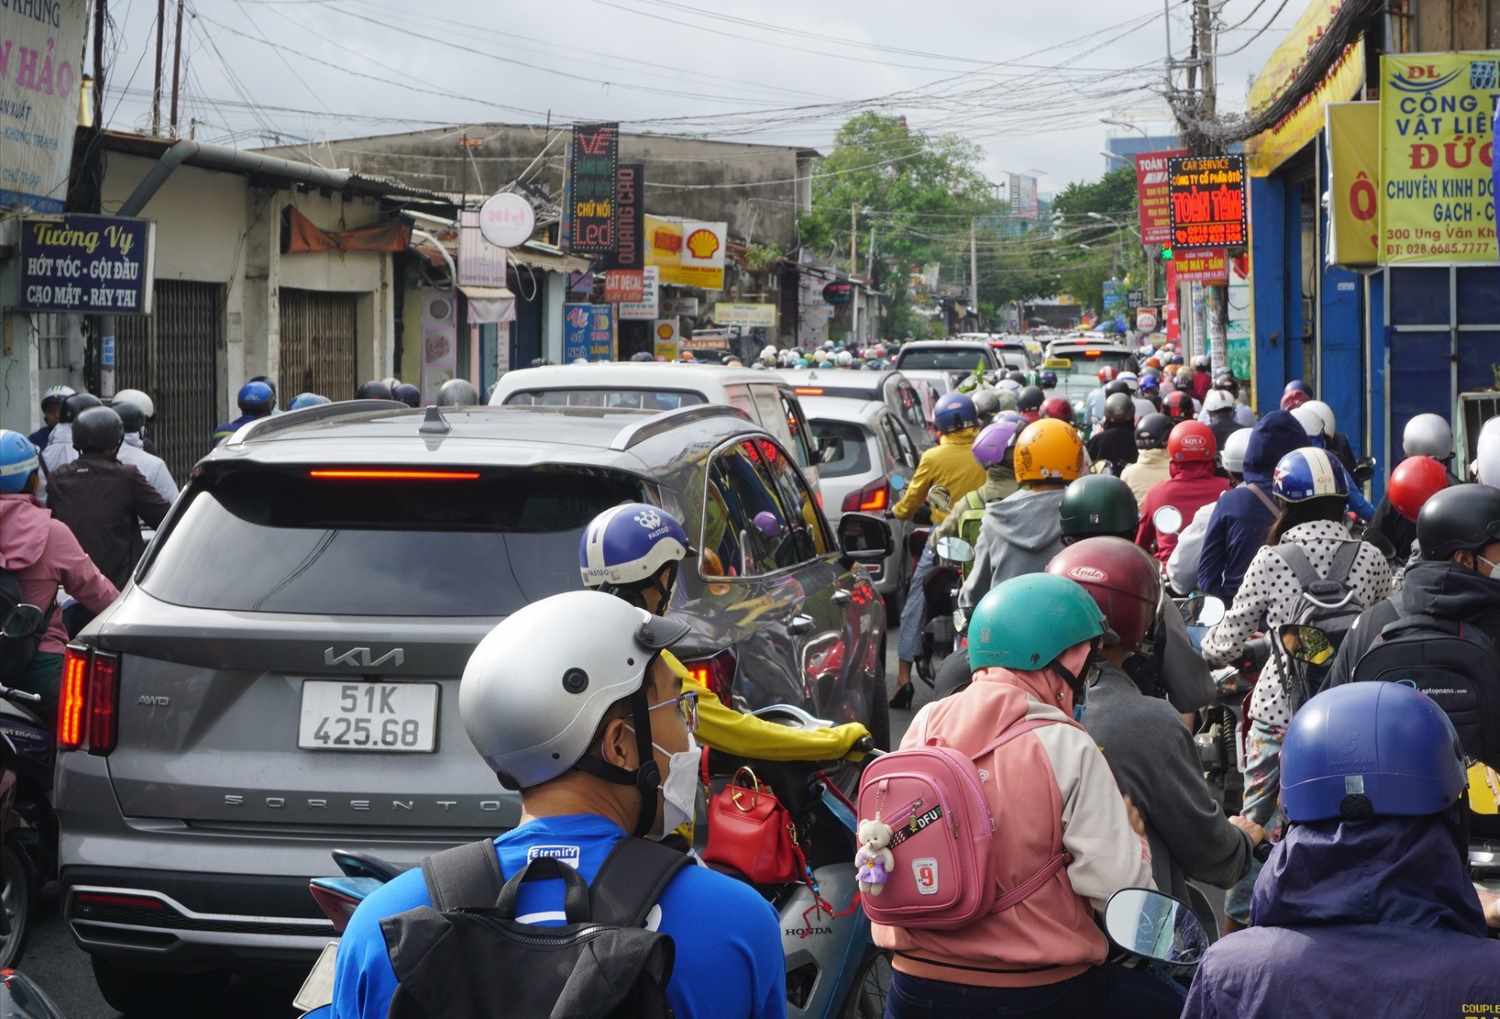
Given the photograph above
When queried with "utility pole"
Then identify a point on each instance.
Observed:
(1216, 296)
(161, 27)
(176, 67)
(973, 272)
(99, 16)
(853, 236)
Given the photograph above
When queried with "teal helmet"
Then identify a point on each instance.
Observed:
(1026, 622)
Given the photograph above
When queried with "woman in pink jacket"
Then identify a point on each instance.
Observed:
(44, 555)
(1031, 644)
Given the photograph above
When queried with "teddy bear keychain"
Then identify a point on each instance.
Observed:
(873, 862)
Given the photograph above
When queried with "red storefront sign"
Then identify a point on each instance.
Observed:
(1151, 190)
(1208, 201)
(624, 286)
(1174, 323)
(1208, 266)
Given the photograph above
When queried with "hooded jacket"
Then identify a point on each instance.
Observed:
(1153, 758)
(101, 500)
(951, 464)
(1242, 519)
(152, 467)
(1356, 919)
(1191, 487)
(1443, 589)
(1020, 534)
(44, 555)
(1114, 443)
(1150, 469)
(59, 449)
(1048, 790)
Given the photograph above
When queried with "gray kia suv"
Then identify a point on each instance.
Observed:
(280, 677)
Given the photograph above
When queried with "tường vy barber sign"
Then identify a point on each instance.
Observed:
(96, 264)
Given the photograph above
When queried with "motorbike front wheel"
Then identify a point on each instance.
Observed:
(15, 900)
(867, 994)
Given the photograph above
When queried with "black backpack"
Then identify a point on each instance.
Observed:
(466, 957)
(1453, 664)
(1328, 603)
(16, 652)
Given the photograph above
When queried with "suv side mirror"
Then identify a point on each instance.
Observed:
(864, 538)
(830, 448)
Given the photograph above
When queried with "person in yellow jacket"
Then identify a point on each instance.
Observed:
(951, 467)
(633, 551)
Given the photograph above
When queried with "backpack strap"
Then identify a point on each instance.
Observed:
(1343, 562)
(1033, 884)
(1016, 731)
(1421, 621)
(973, 500)
(464, 877)
(1265, 500)
(631, 881)
(1296, 561)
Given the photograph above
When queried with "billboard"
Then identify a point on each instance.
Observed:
(591, 211)
(588, 332)
(38, 100)
(78, 262)
(1435, 194)
(689, 253)
(1354, 183)
(1151, 192)
(1208, 266)
(1208, 201)
(1023, 198)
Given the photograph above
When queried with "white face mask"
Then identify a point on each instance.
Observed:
(679, 790)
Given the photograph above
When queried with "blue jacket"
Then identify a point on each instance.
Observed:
(41, 436)
(1241, 519)
(1366, 919)
(228, 428)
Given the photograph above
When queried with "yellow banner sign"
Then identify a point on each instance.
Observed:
(1354, 183)
(1283, 140)
(1437, 201)
(688, 252)
(747, 315)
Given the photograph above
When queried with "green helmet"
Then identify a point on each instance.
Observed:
(1027, 621)
(1098, 504)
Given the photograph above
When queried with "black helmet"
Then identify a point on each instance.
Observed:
(1097, 505)
(1030, 399)
(1227, 381)
(1018, 377)
(458, 393)
(375, 389)
(1462, 518)
(408, 394)
(1119, 408)
(98, 430)
(131, 415)
(1116, 388)
(76, 405)
(1152, 432)
(1047, 379)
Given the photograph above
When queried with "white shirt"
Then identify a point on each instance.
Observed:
(152, 467)
(60, 449)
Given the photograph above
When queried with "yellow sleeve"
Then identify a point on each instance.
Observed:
(916, 492)
(734, 732)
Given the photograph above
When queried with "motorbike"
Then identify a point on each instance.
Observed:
(941, 632)
(833, 968)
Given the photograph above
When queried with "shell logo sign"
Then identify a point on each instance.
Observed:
(688, 253)
(702, 244)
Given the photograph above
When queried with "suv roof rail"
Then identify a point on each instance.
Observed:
(658, 424)
(295, 418)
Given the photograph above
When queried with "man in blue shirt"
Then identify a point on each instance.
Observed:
(569, 701)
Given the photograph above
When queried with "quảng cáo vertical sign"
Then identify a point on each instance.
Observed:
(103, 265)
(592, 209)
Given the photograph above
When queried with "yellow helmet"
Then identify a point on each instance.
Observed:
(1049, 450)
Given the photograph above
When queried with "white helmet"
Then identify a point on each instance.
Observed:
(844, 359)
(1487, 454)
(58, 393)
(1325, 415)
(1428, 435)
(139, 399)
(1310, 420)
(1217, 399)
(1130, 379)
(820, 356)
(536, 688)
(768, 354)
(1233, 454)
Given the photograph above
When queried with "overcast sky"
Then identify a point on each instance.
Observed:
(1028, 81)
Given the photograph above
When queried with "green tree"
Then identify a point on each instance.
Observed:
(1088, 250)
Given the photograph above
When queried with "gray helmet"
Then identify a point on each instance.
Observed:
(987, 402)
(537, 687)
(98, 430)
(457, 393)
(1428, 435)
(75, 405)
(135, 396)
(1119, 408)
(130, 413)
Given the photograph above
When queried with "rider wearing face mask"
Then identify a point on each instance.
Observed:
(1032, 644)
(1366, 907)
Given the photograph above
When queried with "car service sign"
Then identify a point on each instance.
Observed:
(1208, 203)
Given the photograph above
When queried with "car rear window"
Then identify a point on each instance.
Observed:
(630, 399)
(944, 360)
(283, 541)
(849, 439)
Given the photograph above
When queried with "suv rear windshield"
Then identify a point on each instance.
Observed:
(848, 440)
(282, 541)
(944, 360)
(630, 399)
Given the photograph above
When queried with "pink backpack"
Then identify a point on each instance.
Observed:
(941, 825)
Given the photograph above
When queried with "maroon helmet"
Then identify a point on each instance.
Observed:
(1121, 578)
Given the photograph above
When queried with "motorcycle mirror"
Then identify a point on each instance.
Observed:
(1212, 612)
(955, 550)
(24, 621)
(1147, 923)
(1306, 643)
(1167, 520)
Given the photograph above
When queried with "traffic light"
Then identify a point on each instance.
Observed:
(1165, 254)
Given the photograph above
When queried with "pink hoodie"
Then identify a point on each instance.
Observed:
(45, 555)
(1049, 789)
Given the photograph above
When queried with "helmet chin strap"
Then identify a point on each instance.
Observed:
(646, 778)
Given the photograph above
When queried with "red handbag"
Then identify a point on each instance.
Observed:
(750, 831)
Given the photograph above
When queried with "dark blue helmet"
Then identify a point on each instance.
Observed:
(308, 400)
(1364, 749)
(1150, 385)
(953, 412)
(1308, 473)
(375, 389)
(1047, 379)
(627, 545)
(257, 398)
(407, 394)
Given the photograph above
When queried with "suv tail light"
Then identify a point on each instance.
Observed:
(873, 498)
(716, 673)
(87, 703)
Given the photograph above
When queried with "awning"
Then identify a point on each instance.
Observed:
(546, 261)
(490, 304)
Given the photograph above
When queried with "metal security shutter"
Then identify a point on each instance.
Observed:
(172, 355)
(318, 344)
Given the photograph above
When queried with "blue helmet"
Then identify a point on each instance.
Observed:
(17, 461)
(407, 394)
(1309, 473)
(1047, 379)
(308, 400)
(953, 412)
(627, 545)
(1150, 384)
(256, 398)
(1381, 743)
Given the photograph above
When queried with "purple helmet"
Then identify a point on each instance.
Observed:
(990, 446)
